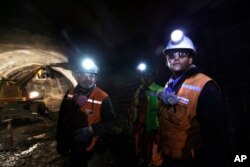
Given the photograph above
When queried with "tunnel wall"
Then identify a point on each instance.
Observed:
(224, 55)
(220, 32)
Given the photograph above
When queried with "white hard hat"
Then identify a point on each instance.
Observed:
(179, 41)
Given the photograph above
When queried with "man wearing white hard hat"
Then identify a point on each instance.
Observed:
(192, 121)
(85, 114)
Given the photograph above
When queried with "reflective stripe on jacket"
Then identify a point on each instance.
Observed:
(178, 125)
(90, 112)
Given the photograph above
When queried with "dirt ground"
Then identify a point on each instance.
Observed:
(33, 144)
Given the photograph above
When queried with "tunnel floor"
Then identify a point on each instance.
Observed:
(33, 144)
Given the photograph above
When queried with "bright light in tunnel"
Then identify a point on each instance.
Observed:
(34, 94)
(88, 64)
(141, 67)
(177, 35)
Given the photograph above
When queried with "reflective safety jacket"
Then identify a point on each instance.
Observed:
(151, 119)
(75, 117)
(90, 112)
(179, 129)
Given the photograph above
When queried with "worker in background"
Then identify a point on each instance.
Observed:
(86, 113)
(143, 118)
(192, 121)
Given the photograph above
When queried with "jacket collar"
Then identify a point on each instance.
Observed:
(82, 91)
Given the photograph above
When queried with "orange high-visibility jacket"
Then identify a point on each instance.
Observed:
(179, 130)
(88, 114)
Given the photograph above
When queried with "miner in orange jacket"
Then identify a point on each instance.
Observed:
(85, 114)
(192, 121)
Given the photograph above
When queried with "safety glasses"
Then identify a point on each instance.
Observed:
(180, 54)
(84, 75)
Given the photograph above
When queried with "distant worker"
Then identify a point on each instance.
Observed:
(192, 121)
(143, 118)
(85, 114)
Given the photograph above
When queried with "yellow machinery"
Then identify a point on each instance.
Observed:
(14, 91)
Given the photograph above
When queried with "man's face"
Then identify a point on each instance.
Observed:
(179, 61)
(86, 80)
(147, 78)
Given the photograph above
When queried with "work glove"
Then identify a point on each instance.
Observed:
(83, 134)
(80, 100)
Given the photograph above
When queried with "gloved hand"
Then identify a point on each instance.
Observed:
(83, 134)
(80, 100)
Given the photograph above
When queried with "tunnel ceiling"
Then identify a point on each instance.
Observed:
(44, 32)
(22, 55)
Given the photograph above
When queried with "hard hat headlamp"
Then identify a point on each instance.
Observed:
(146, 70)
(88, 66)
(142, 67)
(177, 37)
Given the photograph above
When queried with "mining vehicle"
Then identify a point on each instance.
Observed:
(14, 91)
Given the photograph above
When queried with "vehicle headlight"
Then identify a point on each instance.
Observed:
(34, 94)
